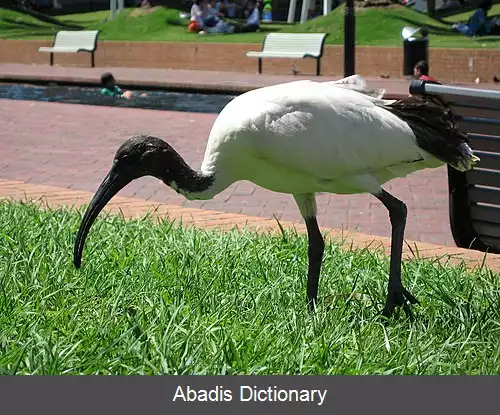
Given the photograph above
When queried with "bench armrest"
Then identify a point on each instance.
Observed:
(62, 49)
(296, 55)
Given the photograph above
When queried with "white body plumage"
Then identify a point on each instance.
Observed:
(306, 137)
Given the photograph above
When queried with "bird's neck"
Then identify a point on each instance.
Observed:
(194, 185)
(188, 182)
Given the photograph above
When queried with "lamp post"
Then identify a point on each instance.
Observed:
(112, 8)
(115, 6)
(349, 38)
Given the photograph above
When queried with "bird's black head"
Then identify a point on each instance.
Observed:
(145, 156)
(137, 157)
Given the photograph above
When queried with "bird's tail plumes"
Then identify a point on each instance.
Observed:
(358, 84)
(466, 160)
(436, 129)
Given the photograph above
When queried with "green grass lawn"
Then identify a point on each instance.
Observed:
(161, 25)
(162, 299)
(463, 17)
(383, 26)
(374, 26)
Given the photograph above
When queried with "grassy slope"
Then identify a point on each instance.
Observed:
(14, 25)
(380, 26)
(160, 299)
(463, 17)
(383, 26)
(161, 25)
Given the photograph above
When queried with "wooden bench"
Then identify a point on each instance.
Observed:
(292, 46)
(73, 42)
(474, 196)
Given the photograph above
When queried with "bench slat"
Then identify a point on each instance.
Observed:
(67, 41)
(475, 125)
(483, 177)
(455, 93)
(294, 55)
(470, 101)
(487, 229)
(488, 160)
(490, 241)
(82, 39)
(307, 43)
(469, 110)
(291, 45)
(483, 142)
(484, 195)
(59, 49)
(485, 213)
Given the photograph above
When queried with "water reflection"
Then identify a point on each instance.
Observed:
(160, 100)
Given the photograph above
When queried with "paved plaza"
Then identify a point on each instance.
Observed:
(72, 146)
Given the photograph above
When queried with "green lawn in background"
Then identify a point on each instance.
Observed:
(163, 299)
(463, 17)
(374, 26)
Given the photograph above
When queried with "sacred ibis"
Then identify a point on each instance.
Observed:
(302, 138)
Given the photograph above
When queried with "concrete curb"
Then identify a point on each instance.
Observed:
(173, 80)
(188, 86)
(53, 197)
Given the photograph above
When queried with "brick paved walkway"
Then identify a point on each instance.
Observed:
(131, 207)
(72, 146)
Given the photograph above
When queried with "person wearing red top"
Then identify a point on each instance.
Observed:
(421, 72)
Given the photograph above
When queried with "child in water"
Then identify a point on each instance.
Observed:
(111, 89)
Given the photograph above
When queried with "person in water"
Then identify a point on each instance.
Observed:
(111, 89)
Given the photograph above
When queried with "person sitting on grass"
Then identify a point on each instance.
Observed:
(204, 13)
(111, 89)
(199, 12)
(253, 19)
(479, 24)
(228, 7)
(421, 72)
(213, 14)
(209, 18)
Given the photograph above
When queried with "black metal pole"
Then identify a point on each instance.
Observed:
(349, 38)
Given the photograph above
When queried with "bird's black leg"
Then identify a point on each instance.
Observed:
(397, 295)
(315, 253)
(307, 206)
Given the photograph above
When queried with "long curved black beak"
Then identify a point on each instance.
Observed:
(110, 186)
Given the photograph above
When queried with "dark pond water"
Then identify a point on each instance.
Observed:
(157, 99)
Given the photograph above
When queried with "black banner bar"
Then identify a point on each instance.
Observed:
(350, 395)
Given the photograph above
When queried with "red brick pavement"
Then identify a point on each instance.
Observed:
(72, 146)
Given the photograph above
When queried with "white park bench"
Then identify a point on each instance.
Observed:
(292, 46)
(474, 196)
(73, 42)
